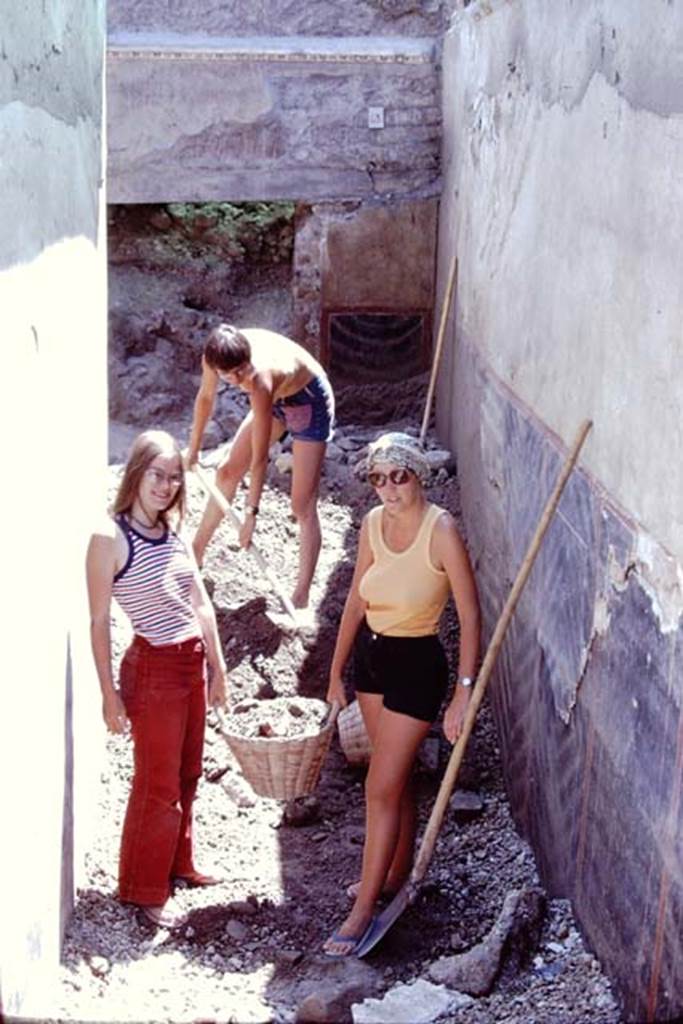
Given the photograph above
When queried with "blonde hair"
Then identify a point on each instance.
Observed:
(145, 448)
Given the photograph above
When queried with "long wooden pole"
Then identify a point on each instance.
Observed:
(436, 359)
(448, 781)
(227, 510)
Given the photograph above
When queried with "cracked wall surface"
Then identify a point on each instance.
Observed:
(281, 17)
(563, 197)
(200, 118)
(53, 419)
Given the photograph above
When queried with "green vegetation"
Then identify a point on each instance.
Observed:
(255, 232)
(212, 233)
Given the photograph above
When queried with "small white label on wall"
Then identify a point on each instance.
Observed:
(375, 117)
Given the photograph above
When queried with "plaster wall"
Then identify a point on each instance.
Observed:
(362, 256)
(53, 424)
(196, 118)
(562, 199)
(571, 217)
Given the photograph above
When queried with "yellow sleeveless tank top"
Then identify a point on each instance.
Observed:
(405, 594)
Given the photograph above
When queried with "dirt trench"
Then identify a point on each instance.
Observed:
(250, 949)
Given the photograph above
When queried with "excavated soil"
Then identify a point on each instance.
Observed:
(250, 948)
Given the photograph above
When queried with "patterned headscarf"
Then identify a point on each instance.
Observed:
(401, 449)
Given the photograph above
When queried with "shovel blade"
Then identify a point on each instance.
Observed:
(385, 920)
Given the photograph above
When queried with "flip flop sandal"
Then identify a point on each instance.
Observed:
(354, 941)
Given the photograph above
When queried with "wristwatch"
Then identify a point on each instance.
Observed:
(465, 681)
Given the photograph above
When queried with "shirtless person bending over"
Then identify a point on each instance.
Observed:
(289, 392)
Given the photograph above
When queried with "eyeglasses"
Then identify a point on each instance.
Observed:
(158, 477)
(397, 476)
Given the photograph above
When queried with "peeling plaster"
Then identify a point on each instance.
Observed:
(661, 577)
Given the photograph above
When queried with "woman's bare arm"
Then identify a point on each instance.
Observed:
(352, 616)
(101, 565)
(450, 554)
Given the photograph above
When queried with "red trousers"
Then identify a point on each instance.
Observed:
(164, 692)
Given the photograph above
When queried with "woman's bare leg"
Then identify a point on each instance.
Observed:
(307, 464)
(396, 741)
(228, 475)
(371, 705)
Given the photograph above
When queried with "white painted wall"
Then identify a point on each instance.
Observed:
(563, 186)
(53, 423)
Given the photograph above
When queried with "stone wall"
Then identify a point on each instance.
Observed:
(280, 17)
(565, 209)
(53, 425)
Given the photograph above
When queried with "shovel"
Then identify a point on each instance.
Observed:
(408, 892)
(227, 510)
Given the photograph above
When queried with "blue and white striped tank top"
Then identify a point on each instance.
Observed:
(153, 588)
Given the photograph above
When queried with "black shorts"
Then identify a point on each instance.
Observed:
(410, 672)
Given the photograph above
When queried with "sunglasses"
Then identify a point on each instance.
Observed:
(396, 476)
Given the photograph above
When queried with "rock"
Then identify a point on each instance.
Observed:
(438, 459)
(289, 957)
(334, 452)
(336, 473)
(241, 794)
(160, 220)
(417, 1003)
(243, 908)
(315, 1010)
(330, 987)
(100, 966)
(302, 811)
(284, 462)
(510, 942)
(348, 444)
(466, 805)
(236, 930)
(360, 468)
(428, 754)
(213, 434)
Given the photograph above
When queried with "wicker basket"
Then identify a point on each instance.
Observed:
(280, 767)
(353, 736)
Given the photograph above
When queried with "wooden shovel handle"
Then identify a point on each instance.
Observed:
(436, 817)
(227, 509)
(436, 358)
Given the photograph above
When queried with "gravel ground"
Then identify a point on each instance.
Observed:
(250, 948)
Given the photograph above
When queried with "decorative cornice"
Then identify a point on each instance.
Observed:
(285, 49)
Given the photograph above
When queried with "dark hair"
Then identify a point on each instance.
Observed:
(145, 449)
(226, 348)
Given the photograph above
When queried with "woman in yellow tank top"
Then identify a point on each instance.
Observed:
(410, 559)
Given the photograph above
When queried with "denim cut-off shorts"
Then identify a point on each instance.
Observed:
(411, 672)
(308, 415)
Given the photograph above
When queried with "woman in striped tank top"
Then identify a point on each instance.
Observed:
(410, 560)
(142, 560)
